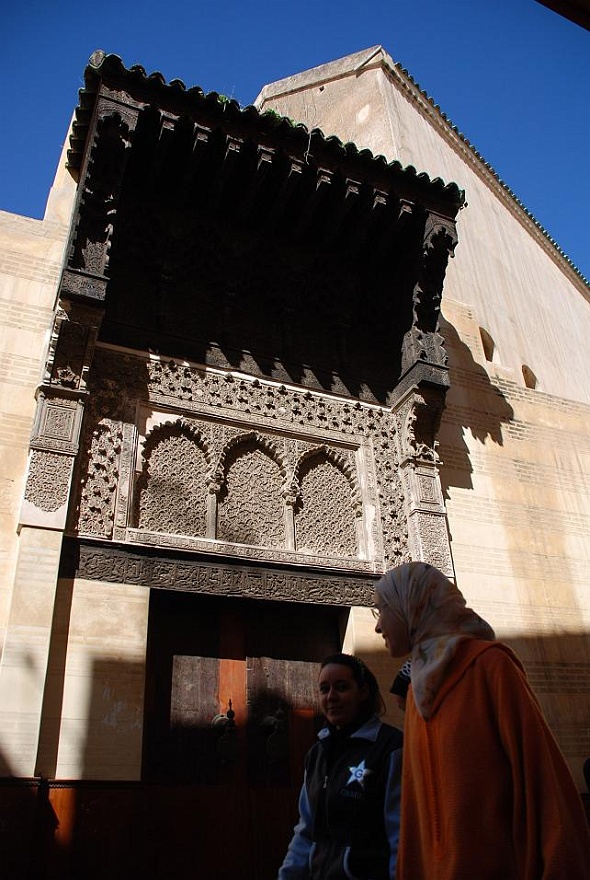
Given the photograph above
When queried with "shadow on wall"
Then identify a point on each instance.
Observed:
(559, 673)
(28, 823)
(225, 826)
(231, 821)
(473, 403)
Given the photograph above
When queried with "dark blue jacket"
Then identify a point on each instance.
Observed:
(348, 825)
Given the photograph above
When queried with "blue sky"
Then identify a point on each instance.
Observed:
(513, 77)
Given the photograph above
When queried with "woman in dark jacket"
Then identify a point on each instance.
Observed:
(349, 803)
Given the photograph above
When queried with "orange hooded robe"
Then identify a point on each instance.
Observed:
(486, 792)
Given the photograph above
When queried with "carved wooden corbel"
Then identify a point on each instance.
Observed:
(72, 343)
(423, 342)
(86, 272)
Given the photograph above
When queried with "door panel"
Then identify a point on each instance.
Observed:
(241, 779)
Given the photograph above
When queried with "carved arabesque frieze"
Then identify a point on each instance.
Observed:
(48, 480)
(291, 427)
(391, 499)
(99, 485)
(109, 563)
(123, 495)
(250, 508)
(417, 419)
(325, 516)
(172, 488)
(100, 491)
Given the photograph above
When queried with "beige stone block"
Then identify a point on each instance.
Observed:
(62, 195)
(112, 614)
(33, 601)
(104, 754)
(23, 664)
(18, 742)
(104, 680)
(102, 724)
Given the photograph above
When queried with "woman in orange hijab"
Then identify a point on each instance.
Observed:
(486, 792)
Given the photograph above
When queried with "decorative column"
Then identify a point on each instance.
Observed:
(419, 399)
(417, 418)
(55, 436)
(61, 396)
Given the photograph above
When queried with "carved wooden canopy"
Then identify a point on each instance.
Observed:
(244, 241)
(245, 360)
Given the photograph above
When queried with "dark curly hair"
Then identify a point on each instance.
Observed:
(363, 676)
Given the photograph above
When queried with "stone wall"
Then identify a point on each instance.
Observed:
(31, 256)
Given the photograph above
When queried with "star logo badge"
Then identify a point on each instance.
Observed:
(359, 774)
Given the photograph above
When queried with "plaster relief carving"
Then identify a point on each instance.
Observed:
(57, 423)
(99, 485)
(391, 501)
(430, 540)
(325, 515)
(417, 418)
(125, 478)
(48, 481)
(257, 444)
(250, 506)
(427, 488)
(172, 490)
(161, 572)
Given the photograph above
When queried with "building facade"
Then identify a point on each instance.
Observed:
(249, 363)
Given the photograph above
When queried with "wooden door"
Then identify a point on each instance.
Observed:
(223, 793)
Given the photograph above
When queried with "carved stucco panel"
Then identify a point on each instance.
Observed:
(48, 480)
(370, 512)
(325, 518)
(250, 506)
(429, 540)
(120, 566)
(297, 423)
(57, 424)
(172, 490)
(427, 488)
(123, 496)
(391, 502)
(100, 480)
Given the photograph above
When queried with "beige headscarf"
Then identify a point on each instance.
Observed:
(437, 619)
